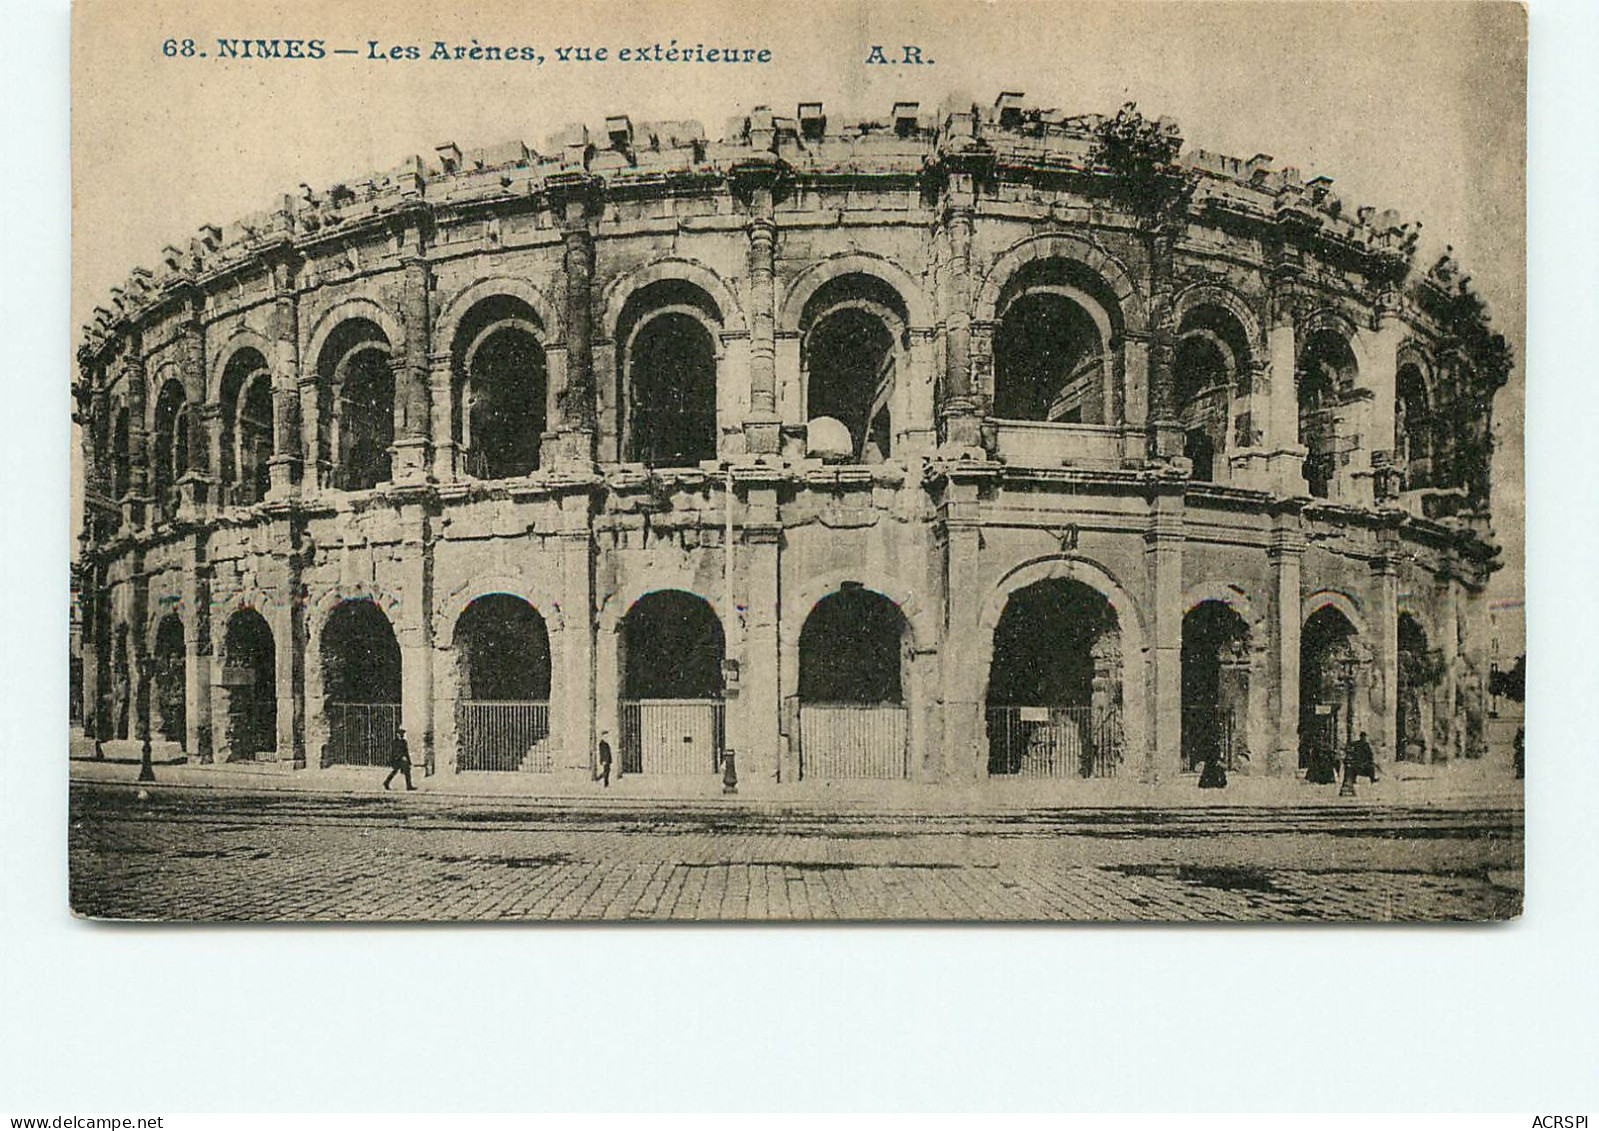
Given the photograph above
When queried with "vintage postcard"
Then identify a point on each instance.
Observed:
(901, 461)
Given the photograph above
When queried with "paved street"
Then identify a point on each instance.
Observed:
(213, 854)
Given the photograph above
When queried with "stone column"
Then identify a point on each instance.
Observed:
(441, 391)
(1379, 365)
(415, 633)
(960, 412)
(315, 474)
(212, 417)
(963, 754)
(1385, 651)
(135, 507)
(285, 464)
(1165, 428)
(198, 484)
(1163, 541)
(577, 583)
(756, 182)
(412, 416)
(197, 656)
(1284, 555)
(575, 196)
(760, 678)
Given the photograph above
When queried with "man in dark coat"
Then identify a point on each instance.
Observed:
(605, 758)
(399, 760)
(1362, 759)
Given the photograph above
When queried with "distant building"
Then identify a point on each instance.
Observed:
(953, 446)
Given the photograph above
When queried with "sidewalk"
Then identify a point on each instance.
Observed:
(1460, 785)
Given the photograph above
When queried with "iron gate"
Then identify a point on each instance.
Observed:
(852, 740)
(503, 736)
(360, 734)
(1054, 742)
(672, 736)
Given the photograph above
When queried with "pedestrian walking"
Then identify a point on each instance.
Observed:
(605, 758)
(1362, 759)
(399, 760)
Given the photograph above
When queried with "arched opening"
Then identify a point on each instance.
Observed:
(356, 406)
(503, 709)
(170, 460)
(853, 652)
(1059, 325)
(1329, 685)
(671, 653)
(1210, 364)
(851, 328)
(1215, 686)
(1055, 684)
(1326, 373)
(246, 428)
(1420, 672)
(1412, 427)
(361, 684)
(501, 402)
(249, 687)
(666, 338)
(171, 683)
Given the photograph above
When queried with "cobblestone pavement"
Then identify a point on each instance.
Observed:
(207, 854)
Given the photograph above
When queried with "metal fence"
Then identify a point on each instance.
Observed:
(361, 734)
(1054, 742)
(503, 735)
(672, 736)
(852, 740)
(1211, 729)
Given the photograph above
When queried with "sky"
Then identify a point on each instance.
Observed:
(1418, 107)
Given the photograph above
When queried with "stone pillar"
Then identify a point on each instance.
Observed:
(1385, 651)
(960, 412)
(1165, 428)
(212, 418)
(577, 583)
(135, 506)
(415, 633)
(412, 416)
(198, 484)
(1379, 366)
(760, 679)
(756, 182)
(285, 464)
(197, 656)
(963, 753)
(441, 392)
(316, 472)
(575, 196)
(1284, 555)
(1164, 556)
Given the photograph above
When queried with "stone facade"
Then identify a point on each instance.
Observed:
(942, 359)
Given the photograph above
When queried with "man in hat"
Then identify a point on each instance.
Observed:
(399, 760)
(605, 758)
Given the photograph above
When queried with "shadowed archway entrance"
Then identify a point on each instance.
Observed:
(503, 713)
(249, 687)
(852, 659)
(1055, 684)
(361, 681)
(672, 712)
(1215, 686)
